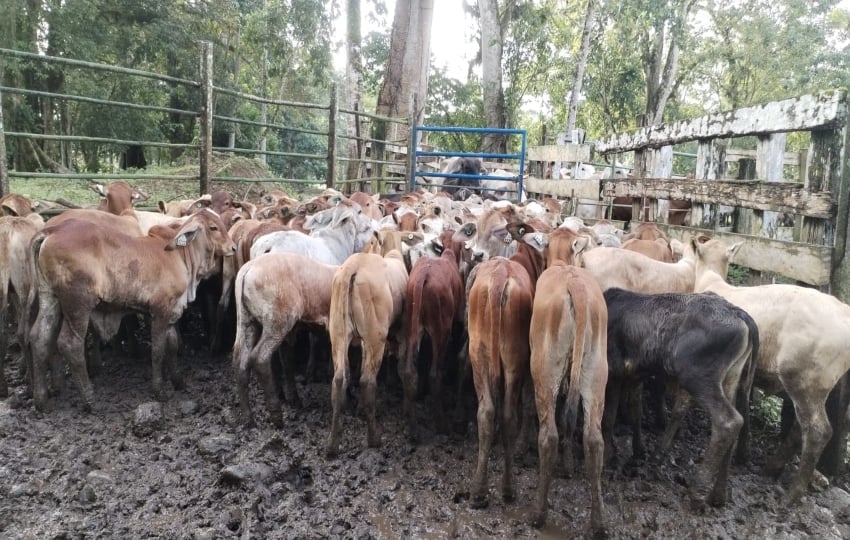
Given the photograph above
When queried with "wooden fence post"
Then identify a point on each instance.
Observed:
(206, 116)
(4, 171)
(333, 110)
(710, 165)
(770, 154)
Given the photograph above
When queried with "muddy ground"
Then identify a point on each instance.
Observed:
(199, 474)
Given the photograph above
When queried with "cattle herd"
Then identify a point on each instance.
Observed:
(541, 311)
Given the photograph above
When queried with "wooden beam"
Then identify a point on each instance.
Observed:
(583, 189)
(775, 196)
(559, 152)
(826, 110)
(803, 262)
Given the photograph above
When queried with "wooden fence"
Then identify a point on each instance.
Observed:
(812, 251)
(373, 152)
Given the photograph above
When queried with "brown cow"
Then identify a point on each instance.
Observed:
(568, 339)
(499, 315)
(16, 281)
(435, 304)
(273, 293)
(86, 272)
(659, 249)
(367, 299)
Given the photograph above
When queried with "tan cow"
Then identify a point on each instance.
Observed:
(804, 348)
(568, 340)
(633, 271)
(118, 197)
(87, 273)
(367, 300)
(184, 207)
(274, 292)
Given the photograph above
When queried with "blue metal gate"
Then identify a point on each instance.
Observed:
(414, 170)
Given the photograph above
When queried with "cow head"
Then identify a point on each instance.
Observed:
(206, 232)
(118, 196)
(713, 255)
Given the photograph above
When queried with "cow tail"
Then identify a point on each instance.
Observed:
(495, 305)
(34, 277)
(746, 384)
(241, 311)
(413, 308)
(579, 306)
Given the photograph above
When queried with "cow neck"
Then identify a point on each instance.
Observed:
(199, 263)
(530, 259)
(334, 239)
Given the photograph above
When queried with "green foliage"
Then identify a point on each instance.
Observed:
(738, 275)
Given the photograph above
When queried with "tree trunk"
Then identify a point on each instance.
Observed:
(354, 89)
(408, 63)
(491, 74)
(581, 65)
(661, 61)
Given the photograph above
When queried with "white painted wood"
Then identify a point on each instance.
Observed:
(796, 114)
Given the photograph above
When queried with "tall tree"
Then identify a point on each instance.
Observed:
(354, 86)
(581, 63)
(408, 64)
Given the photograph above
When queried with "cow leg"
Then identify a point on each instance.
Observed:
(71, 345)
(408, 374)
(246, 338)
(725, 425)
(4, 345)
(547, 439)
(463, 372)
(339, 346)
(159, 327)
(486, 420)
(265, 349)
(42, 340)
(635, 403)
(677, 416)
(439, 344)
(612, 401)
(172, 359)
(510, 415)
(594, 447)
(373, 355)
(286, 359)
(815, 432)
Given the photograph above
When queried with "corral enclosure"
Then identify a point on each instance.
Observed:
(419, 492)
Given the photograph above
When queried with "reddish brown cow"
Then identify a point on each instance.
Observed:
(568, 340)
(85, 272)
(184, 207)
(118, 197)
(368, 203)
(645, 231)
(367, 299)
(435, 304)
(499, 315)
(273, 293)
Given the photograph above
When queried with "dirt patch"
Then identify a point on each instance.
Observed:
(196, 473)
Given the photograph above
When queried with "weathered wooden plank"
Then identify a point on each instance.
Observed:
(559, 152)
(808, 112)
(807, 263)
(584, 189)
(778, 197)
(735, 154)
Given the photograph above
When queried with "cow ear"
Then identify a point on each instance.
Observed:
(733, 249)
(100, 189)
(139, 195)
(184, 236)
(162, 207)
(580, 244)
(537, 240)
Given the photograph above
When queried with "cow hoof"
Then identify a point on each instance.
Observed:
(277, 420)
(508, 496)
(479, 502)
(795, 493)
(600, 532)
(538, 519)
(373, 440)
(331, 451)
(717, 499)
